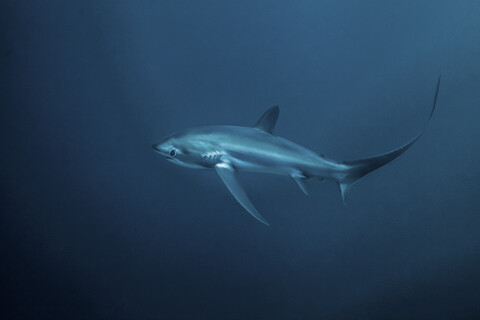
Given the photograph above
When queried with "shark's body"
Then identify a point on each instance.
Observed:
(251, 149)
(230, 149)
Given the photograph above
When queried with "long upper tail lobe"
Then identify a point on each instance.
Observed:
(356, 169)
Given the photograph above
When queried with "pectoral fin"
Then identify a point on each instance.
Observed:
(227, 174)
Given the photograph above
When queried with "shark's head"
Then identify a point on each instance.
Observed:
(182, 149)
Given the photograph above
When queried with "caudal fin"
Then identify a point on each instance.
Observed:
(356, 169)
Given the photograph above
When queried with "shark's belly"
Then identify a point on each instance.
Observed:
(267, 163)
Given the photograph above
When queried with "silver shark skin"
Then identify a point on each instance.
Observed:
(230, 149)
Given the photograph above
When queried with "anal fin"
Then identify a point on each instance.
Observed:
(344, 190)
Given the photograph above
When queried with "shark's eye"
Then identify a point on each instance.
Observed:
(173, 153)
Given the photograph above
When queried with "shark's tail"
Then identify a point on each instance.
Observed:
(356, 169)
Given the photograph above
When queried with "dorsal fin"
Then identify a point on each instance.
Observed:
(268, 120)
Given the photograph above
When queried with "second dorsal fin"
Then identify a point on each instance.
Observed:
(268, 120)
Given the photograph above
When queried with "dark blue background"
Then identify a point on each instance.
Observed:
(94, 225)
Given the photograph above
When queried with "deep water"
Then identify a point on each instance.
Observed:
(94, 225)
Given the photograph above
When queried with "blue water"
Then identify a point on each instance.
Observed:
(94, 225)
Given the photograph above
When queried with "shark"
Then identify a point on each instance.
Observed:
(232, 149)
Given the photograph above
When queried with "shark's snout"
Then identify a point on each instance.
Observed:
(157, 147)
(162, 149)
